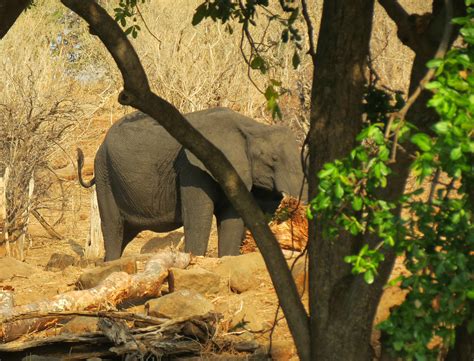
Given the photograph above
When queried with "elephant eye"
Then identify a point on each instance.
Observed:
(274, 157)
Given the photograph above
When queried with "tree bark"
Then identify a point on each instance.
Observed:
(137, 93)
(337, 332)
(343, 306)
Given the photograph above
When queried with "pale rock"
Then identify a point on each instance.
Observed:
(60, 261)
(80, 324)
(159, 243)
(182, 303)
(10, 267)
(197, 279)
(242, 271)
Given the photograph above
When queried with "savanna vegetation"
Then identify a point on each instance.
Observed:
(389, 141)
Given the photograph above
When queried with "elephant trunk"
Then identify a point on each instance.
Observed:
(293, 185)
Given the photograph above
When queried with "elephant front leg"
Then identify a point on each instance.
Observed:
(230, 230)
(197, 209)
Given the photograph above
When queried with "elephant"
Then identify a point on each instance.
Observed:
(147, 181)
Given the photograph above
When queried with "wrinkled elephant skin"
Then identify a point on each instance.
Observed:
(147, 181)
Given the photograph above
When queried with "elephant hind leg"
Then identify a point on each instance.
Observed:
(230, 230)
(129, 233)
(111, 222)
(197, 209)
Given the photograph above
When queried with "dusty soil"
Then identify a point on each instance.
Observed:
(259, 303)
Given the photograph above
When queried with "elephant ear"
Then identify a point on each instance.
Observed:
(230, 141)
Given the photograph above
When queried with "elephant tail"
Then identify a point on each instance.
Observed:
(80, 165)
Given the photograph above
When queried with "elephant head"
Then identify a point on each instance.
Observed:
(267, 158)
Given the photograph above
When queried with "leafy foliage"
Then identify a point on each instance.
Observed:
(128, 9)
(436, 235)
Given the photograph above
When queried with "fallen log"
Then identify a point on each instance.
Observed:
(115, 289)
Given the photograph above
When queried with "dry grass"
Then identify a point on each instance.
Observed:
(192, 67)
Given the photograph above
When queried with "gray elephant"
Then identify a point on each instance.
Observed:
(147, 181)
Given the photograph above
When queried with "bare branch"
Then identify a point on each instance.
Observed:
(137, 94)
(309, 25)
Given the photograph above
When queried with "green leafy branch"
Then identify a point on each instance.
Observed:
(435, 232)
(126, 10)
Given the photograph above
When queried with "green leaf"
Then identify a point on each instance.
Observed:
(470, 294)
(456, 153)
(398, 345)
(434, 63)
(422, 140)
(295, 60)
(369, 277)
(200, 14)
(433, 85)
(259, 64)
(442, 127)
(338, 190)
(329, 169)
(357, 203)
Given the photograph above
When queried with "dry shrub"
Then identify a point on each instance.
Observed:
(40, 105)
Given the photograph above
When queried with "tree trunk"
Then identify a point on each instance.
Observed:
(463, 349)
(337, 331)
(343, 306)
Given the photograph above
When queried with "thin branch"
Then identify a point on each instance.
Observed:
(395, 11)
(309, 25)
(146, 25)
(121, 315)
(434, 183)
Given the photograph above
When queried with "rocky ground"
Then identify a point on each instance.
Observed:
(238, 287)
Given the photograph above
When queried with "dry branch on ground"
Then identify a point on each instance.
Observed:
(116, 288)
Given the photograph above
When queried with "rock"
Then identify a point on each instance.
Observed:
(282, 350)
(182, 303)
(196, 279)
(247, 318)
(81, 324)
(93, 277)
(158, 243)
(59, 261)
(242, 271)
(10, 267)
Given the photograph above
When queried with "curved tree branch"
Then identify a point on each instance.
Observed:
(137, 93)
(10, 10)
(310, 27)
